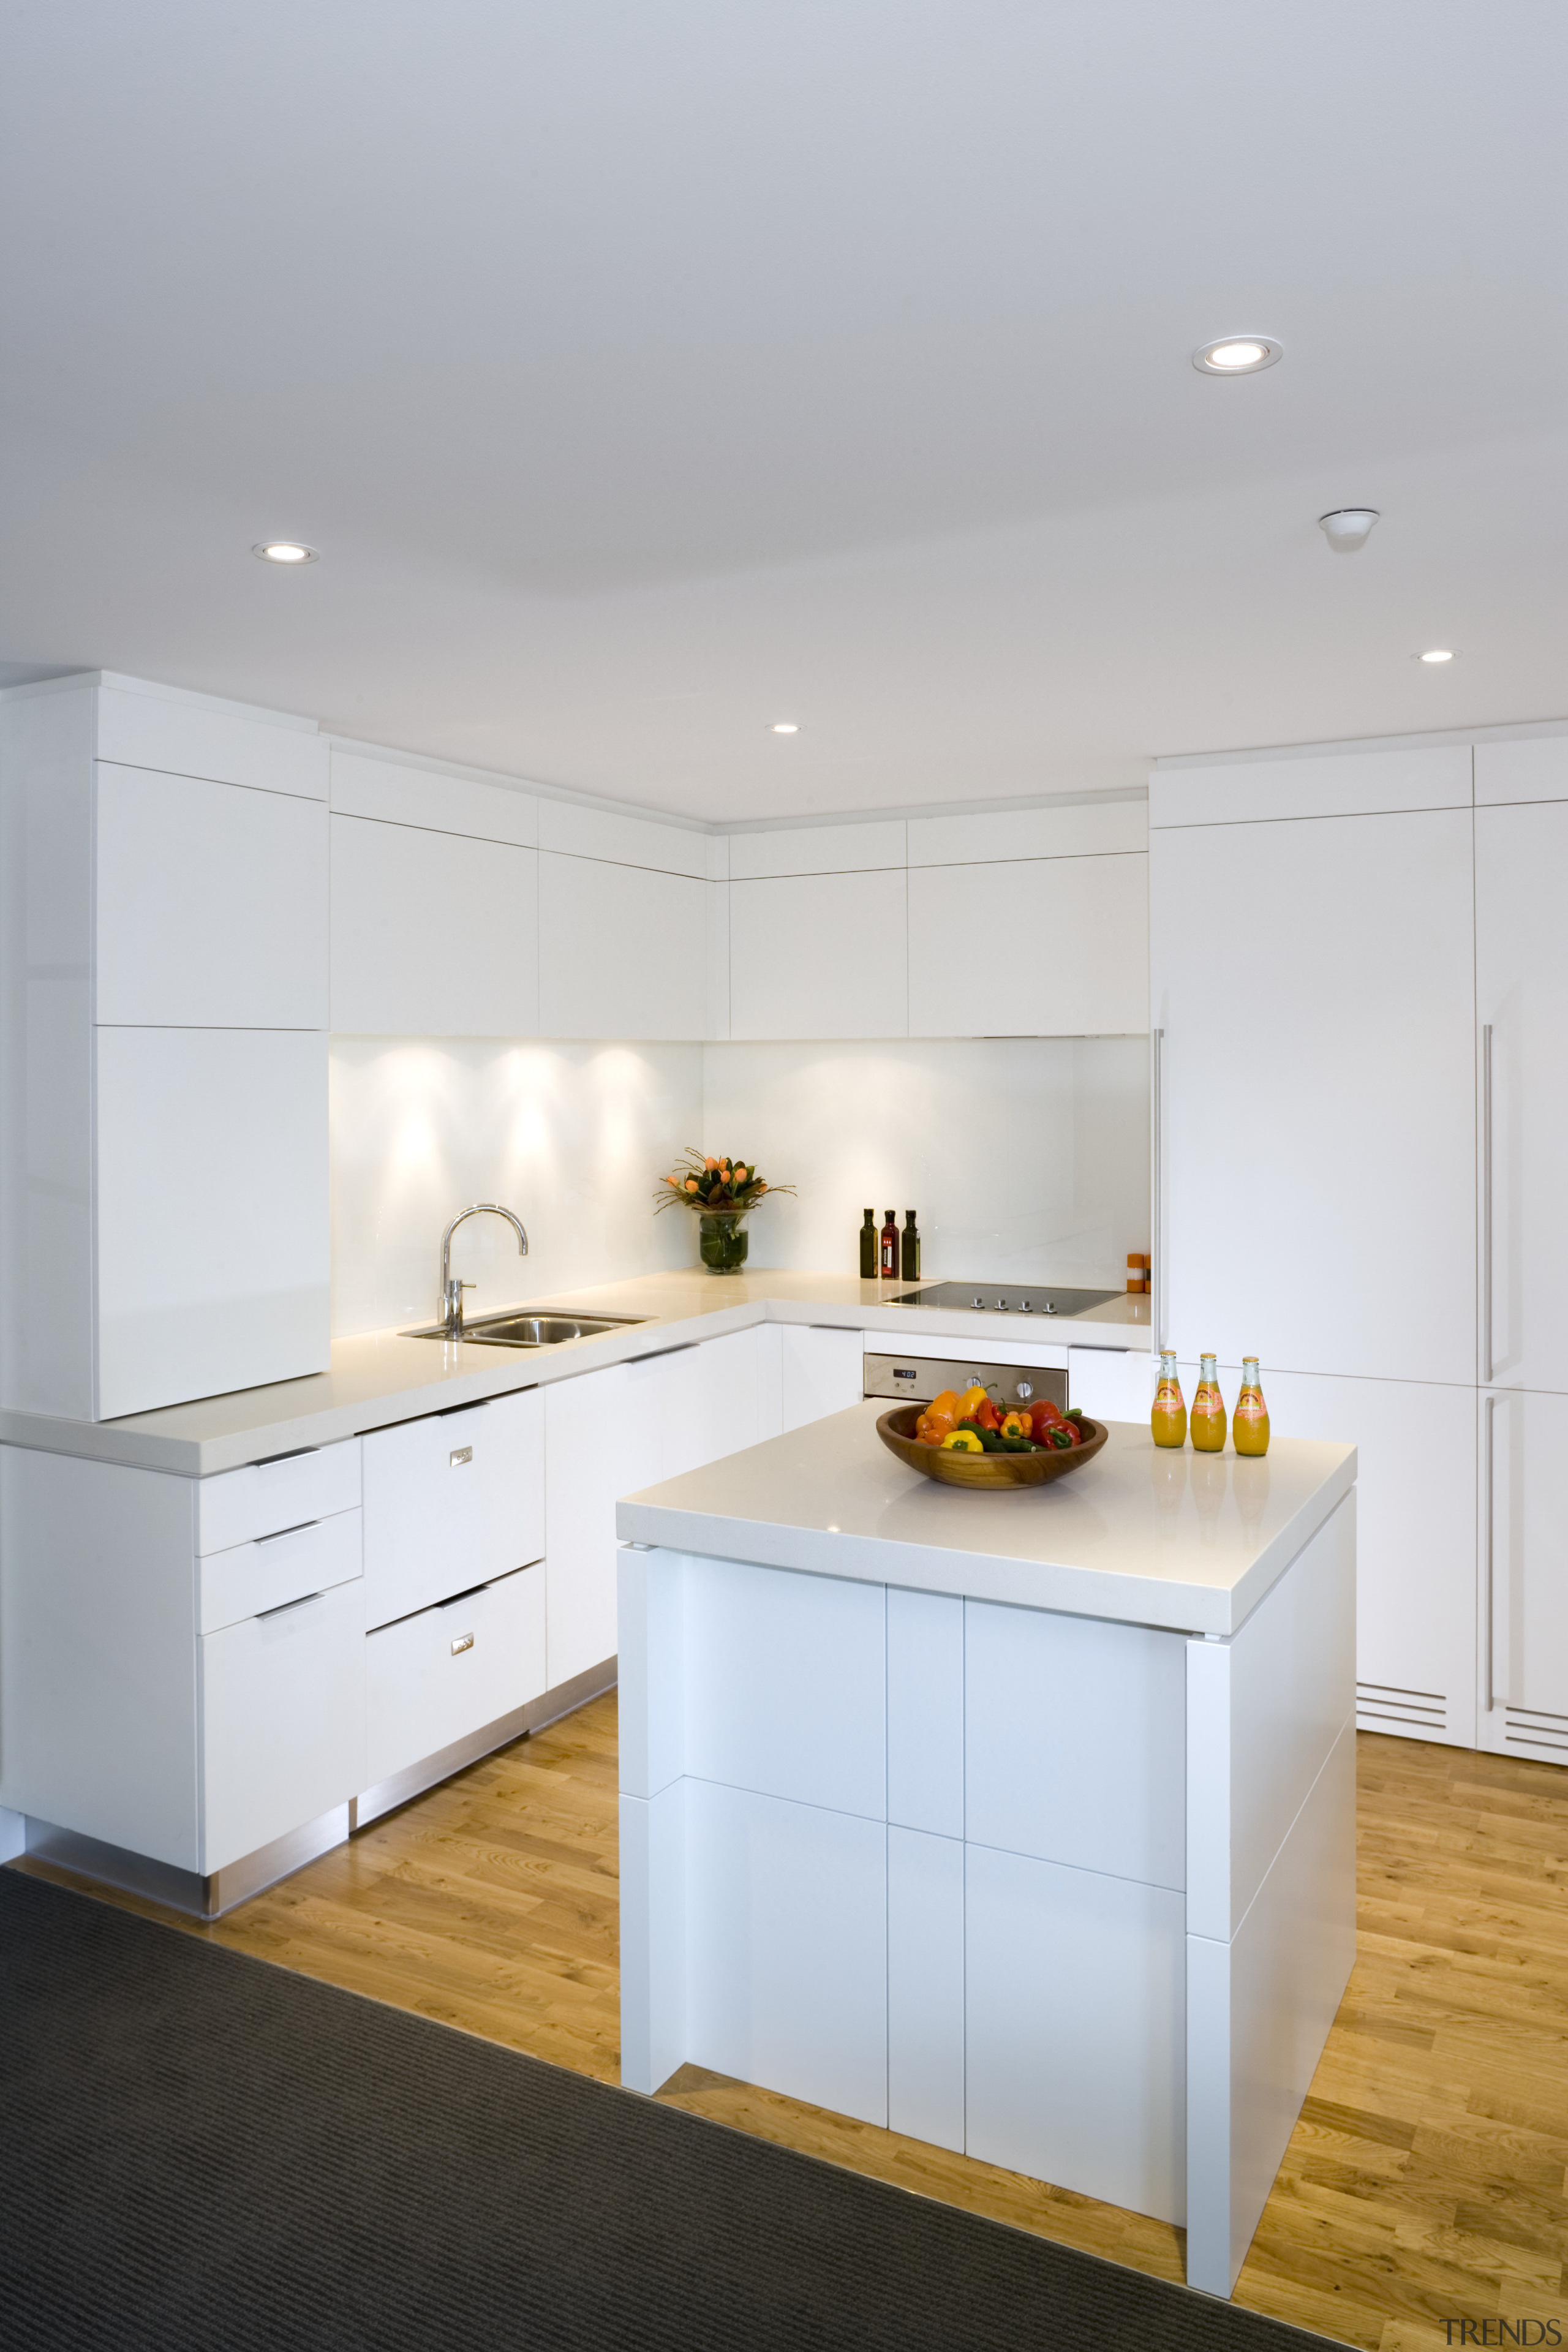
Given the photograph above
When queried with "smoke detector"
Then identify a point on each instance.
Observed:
(1348, 527)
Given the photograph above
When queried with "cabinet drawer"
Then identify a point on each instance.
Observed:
(237, 1506)
(433, 1678)
(451, 1501)
(283, 1717)
(276, 1569)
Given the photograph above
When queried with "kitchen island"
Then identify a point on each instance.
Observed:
(1022, 1823)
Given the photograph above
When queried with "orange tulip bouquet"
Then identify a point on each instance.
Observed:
(722, 1192)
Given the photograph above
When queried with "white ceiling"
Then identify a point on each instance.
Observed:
(648, 372)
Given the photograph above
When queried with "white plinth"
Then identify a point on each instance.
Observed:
(1074, 1894)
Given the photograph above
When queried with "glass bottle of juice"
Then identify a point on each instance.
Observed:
(1249, 1429)
(1208, 1411)
(1169, 1419)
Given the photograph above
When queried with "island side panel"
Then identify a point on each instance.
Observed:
(651, 1610)
(1271, 1885)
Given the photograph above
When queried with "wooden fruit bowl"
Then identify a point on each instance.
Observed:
(986, 1473)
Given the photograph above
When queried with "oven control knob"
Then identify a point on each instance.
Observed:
(978, 1300)
(1025, 1388)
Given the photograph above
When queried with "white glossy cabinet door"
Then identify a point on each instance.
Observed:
(822, 1371)
(1521, 990)
(445, 1673)
(710, 1401)
(213, 1252)
(1039, 947)
(179, 734)
(1314, 982)
(283, 1736)
(622, 950)
(1524, 1574)
(1415, 1550)
(433, 934)
(820, 955)
(603, 1438)
(211, 904)
(451, 1500)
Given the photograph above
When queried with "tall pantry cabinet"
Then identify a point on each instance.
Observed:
(1361, 1134)
(164, 1221)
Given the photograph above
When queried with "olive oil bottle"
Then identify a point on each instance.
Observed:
(1249, 1429)
(909, 1249)
(1169, 1419)
(868, 1245)
(1208, 1411)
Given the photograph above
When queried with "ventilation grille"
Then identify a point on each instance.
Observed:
(1381, 1707)
(1525, 1727)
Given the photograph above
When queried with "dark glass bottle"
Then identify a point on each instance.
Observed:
(869, 1247)
(889, 1247)
(909, 1249)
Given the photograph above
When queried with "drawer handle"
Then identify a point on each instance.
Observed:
(464, 1642)
(284, 1607)
(279, 1533)
(458, 1456)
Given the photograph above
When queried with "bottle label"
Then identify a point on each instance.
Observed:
(1208, 1402)
(1251, 1407)
(1168, 1395)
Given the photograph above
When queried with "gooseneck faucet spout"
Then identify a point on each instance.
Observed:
(452, 1291)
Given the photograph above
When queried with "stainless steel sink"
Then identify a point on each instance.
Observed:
(528, 1331)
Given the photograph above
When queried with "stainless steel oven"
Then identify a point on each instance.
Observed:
(916, 1379)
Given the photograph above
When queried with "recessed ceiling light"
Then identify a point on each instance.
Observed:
(784, 727)
(1237, 355)
(1438, 654)
(284, 550)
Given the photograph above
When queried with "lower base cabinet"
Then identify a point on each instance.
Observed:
(435, 1678)
(283, 1721)
(1523, 1442)
(820, 1371)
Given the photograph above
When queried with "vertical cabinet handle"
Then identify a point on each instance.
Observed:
(1158, 1220)
(1487, 1203)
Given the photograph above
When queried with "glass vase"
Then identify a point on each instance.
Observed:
(722, 1239)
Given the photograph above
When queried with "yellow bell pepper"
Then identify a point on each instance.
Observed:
(961, 1441)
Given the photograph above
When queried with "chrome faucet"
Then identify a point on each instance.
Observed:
(452, 1290)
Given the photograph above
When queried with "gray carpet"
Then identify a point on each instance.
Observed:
(203, 2153)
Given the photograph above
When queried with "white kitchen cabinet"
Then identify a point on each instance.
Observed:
(603, 1437)
(710, 1401)
(451, 1500)
(1111, 1383)
(432, 800)
(211, 1212)
(819, 850)
(434, 934)
(1416, 1548)
(1523, 768)
(211, 904)
(821, 1370)
(820, 955)
(622, 950)
(163, 1171)
(1313, 980)
(282, 1722)
(444, 1674)
(1524, 1574)
(1521, 989)
(1037, 947)
(1310, 783)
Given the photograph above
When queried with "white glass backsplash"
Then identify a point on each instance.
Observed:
(1027, 1158)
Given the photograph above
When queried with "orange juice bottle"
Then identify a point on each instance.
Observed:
(1250, 1427)
(1169, 1419)
(1208, 1411)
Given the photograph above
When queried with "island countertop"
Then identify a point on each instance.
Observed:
(1142, 1535)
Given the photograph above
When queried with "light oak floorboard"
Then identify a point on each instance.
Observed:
(1425, 2182)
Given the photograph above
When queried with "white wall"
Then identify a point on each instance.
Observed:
(1027, 1158)
(572, 1137)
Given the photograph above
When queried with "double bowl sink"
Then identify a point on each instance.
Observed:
(528, 1331)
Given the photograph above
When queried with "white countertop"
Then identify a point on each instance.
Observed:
(380, 1377)
(1142, 1535)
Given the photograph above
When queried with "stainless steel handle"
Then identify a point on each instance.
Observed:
(285, 1606)
(464, 1642)
(1158, 1220)
(1489, 1678)
(458, 1456)
(277, 1535)
(1487, 1203)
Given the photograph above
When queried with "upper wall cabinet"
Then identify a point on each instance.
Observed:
(432, 799)
(622, 950)
(140, 726)
(434, 935)
(820, 955)
(1039, 947)
(1327, 783)
(211, 904)
(574, 831)
(1091, 829)
(1527, 771)
(819, 850)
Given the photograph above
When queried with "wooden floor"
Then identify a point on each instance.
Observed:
(1427, 2178)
